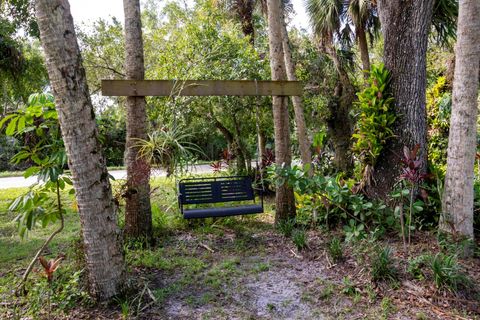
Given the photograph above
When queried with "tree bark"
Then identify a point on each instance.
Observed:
(101, 236)
(457, 204)
(241, 150)
(339, 123)
(138, 214)
(363, 47)
(405, 27)
(302, 135)
(284, 199)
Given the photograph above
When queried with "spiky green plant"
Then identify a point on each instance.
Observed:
(169, 148)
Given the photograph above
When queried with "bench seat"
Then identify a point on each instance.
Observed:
(212, 190)
(222, 211)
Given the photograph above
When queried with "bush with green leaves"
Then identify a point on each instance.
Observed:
(331, 200)
(382, 265)
(42, 203)
(38, 122)
(375, 118)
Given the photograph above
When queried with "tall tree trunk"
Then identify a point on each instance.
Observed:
(339, 127)
(284, 200)
(457, 206)
(405, 27)
(241, 150)
(363, 47)
(339, 123)
(138, 214)
(101, 236)
(302, 135)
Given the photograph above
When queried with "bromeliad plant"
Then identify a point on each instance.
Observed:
(169, 148)
(37, 124)
(375, 121)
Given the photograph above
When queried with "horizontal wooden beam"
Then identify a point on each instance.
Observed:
(200, 88)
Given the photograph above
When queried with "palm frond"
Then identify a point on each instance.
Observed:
(444, 22)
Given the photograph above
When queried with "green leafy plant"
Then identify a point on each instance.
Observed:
(349, 287)
(335, 249)
(382, 266)
(286, 227)
(375, 120)
(354, 231)
(416, 266)
(38, 121)
(169, 148)
(331, 199)
(300, 238)
(447, 272)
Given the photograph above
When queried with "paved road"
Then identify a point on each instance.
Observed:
(17, 182)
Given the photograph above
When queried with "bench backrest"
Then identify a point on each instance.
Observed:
(213, 190)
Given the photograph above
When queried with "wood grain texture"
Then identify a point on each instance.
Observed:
(200, 88)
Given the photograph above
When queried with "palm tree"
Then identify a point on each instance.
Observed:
(284, 199)
(138, 214)
(345, 20)
(327, 18)
(243, 10)
(457, 206)
(96, 208)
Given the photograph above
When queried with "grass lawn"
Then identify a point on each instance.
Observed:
(239, 267)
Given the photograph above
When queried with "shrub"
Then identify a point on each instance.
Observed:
(382, 265)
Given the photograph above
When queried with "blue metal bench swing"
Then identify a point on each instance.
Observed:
(195, 191)
(213, 190)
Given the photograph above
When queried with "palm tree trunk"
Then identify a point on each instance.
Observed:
(457, 206)
(405, 27)
(101, 236)
(339, 123)
(284, 200)
(302, 135)
(138, 214)
(363, 47)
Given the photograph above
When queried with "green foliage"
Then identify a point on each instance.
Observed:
(439, 106)
(65, 292)
(331, 199)
(348, 287)
(375, 117)
(286, 227)
(112, 135)
(169, 148)
(447, 273)
(300, 238)
(444, 22)
(382, 266)
(416, 266)
(335, 249)
(38, 121)
(354, 231)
